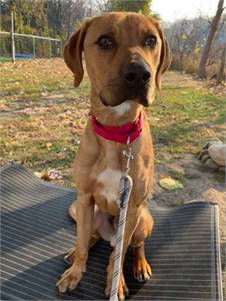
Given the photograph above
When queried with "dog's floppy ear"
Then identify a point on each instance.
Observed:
(73, 52)
(165, 58)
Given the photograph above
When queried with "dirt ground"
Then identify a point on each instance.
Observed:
(200, 183)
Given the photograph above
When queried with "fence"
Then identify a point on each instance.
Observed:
(29, 46)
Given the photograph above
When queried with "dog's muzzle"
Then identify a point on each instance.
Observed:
(134, 84)
(136, 77)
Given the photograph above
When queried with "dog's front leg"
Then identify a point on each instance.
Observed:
(85, 214)
(131, 223)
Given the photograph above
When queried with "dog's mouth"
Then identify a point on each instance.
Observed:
(140, 95)
(104, 101)
(135, 94)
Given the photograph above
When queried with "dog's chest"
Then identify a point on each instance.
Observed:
(109, 178)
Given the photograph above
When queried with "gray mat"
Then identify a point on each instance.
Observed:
(36, 231)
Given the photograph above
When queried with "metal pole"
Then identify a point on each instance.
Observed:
(50, 49)
(34, 48)
(12, 37)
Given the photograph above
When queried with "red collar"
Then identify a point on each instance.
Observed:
(125, 133)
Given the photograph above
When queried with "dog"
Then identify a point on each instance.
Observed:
(125, 54)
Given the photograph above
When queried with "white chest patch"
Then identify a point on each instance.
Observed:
(110, 180)
(122, 108)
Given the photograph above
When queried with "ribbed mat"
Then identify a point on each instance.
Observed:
(36, 231)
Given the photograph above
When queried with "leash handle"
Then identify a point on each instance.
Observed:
(125, 187)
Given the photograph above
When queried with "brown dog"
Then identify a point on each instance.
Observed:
(125, 54)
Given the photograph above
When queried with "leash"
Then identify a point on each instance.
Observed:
(125, 187)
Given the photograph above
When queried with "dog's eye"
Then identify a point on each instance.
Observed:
(150, 41)
(105, 42)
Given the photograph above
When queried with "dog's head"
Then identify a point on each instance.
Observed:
(125, 54)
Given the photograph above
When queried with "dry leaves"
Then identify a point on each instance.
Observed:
(49, 175)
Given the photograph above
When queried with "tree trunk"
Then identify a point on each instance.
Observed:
(69, 19)
(207, 48)
(221, 75)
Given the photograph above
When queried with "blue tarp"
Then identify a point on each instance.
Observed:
(23, 56)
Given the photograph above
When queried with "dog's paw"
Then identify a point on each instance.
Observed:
(69, 279)
(141, 270)
(123, 290)
(70, 256)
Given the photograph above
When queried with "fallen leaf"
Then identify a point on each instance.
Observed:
(170, 184)
(48, 146)
(39, 174)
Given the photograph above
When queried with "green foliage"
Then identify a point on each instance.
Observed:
(29, 18)
(142, 6)
(78, 24)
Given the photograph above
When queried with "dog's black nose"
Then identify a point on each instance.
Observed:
(137, 73)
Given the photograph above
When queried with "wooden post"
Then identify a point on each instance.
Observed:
(12, 38)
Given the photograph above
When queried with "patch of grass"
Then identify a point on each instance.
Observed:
(183, 119)
(4, 59)
(32, 79)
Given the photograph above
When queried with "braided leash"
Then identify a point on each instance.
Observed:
(125, 187)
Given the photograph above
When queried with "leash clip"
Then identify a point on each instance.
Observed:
(128, 154)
